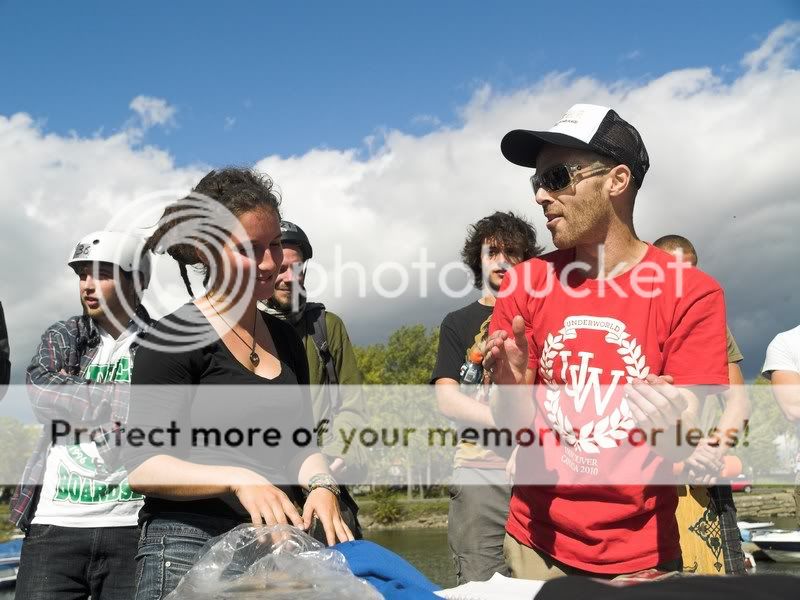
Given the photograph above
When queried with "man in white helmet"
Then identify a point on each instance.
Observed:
(80, 520)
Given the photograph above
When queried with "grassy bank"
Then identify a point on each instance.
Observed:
(397, 512)
(7, 530)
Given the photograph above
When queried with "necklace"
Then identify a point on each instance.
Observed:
(253, 354)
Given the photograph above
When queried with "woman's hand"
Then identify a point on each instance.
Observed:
(324, 505)
(265, 503)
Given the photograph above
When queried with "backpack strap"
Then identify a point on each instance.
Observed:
(319, 333)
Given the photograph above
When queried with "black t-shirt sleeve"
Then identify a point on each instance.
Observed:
(161, 396)
(451, 352)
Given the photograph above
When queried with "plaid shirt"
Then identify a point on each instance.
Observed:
(722, 503)
(58, 389)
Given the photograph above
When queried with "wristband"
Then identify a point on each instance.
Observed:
(325, 481)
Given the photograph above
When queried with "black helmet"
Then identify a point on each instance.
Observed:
(292, 234)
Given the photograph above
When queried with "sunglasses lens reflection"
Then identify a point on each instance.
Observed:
(554, 179)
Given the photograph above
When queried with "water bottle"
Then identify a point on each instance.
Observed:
(471, 374)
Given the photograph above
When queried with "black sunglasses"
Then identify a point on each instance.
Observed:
(561, 176)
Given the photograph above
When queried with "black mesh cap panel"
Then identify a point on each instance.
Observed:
(619, 139)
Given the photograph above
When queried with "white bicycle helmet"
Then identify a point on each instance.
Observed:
(116, 247)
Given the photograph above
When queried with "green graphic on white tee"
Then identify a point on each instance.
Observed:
(81, 459)
(78, 489)
(77, 483)
(119, 372)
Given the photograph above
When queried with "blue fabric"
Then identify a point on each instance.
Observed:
(392, 575)
(11, 549)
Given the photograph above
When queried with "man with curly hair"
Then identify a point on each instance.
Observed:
(480, 492)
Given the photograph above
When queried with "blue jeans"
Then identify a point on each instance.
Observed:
(72, 563)
(169, 546)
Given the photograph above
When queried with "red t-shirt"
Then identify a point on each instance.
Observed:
(606, 337)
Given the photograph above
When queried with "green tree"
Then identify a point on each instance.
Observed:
(17, 443)
(407, 358)
(757, 449)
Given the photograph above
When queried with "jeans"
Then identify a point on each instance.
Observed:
(72, 563)
(169, 546)
(476, 522)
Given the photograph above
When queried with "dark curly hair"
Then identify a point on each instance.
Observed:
(505, 229)
(237, 190)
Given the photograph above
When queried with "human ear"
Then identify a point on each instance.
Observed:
(620, 179)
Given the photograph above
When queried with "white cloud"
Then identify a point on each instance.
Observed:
(719, 150)
(229, 123)
(777, 49)
(429, 120)
(153, 111)
(632, 55)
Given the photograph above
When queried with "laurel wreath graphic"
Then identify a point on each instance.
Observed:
(606, 432)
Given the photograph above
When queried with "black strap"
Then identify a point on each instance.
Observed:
(319, 333)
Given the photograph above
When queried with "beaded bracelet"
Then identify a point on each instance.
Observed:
(325, 481)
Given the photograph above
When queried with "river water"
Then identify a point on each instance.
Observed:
(427, 550)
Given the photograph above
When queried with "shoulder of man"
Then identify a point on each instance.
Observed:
(734, 353)
(788, 340)
(683, 283)
(694, 278)
(335, 326)
(454, 318)
(335, 329)
(783, 353)
(537, 268)
(73, 330)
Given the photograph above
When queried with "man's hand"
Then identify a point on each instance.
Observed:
(705, 464)
(506, 357)
(655, 402)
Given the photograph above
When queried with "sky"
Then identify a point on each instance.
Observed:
(381, 124)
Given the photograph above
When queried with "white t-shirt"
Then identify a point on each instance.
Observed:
(72, 495)
(783, 353)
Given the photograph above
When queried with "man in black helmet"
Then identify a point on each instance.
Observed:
(331, 362)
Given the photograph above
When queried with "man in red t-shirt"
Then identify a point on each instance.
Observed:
(615, 333)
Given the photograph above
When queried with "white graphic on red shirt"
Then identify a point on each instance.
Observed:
(582, 378)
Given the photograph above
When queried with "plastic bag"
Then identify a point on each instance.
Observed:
(278, 562)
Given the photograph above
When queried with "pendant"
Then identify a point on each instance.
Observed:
(254, 358)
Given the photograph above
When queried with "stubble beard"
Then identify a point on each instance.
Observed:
(582, 223)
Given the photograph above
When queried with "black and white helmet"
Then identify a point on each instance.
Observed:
(116, 247)
(292, 234)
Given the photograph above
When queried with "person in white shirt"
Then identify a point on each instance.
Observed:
(782, 368)
(79, 513)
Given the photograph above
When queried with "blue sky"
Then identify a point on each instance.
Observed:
(249, 79)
